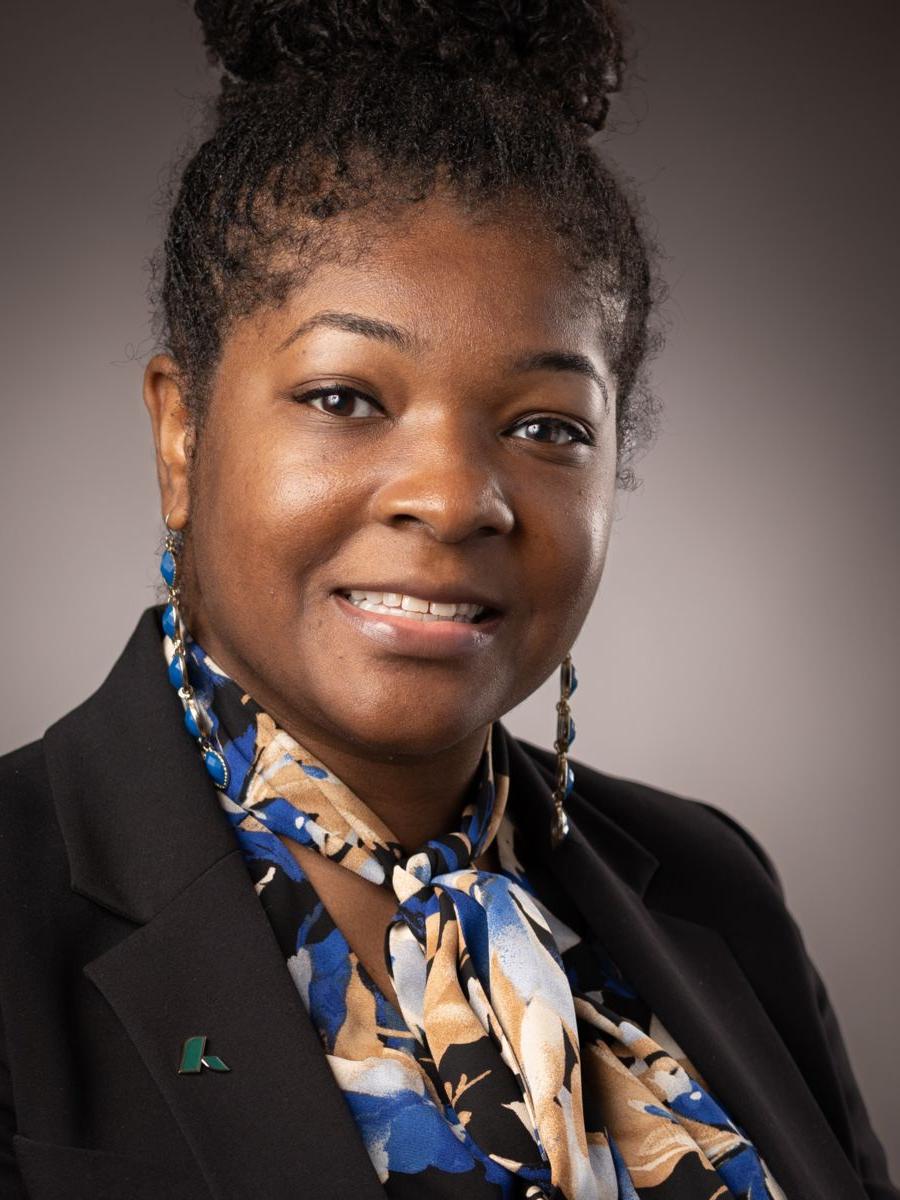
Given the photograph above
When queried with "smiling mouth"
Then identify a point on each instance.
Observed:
(417, 608)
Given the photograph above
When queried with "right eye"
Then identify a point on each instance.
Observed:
(339, 402)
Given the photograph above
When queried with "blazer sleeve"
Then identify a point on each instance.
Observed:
(11, 1185)
(866, 1152)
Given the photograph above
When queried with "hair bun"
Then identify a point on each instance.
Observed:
(569, 50)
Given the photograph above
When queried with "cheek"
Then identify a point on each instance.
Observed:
(572, 549)
(263, 517)
(565, 565)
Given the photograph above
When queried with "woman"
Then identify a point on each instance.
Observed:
(288, 912)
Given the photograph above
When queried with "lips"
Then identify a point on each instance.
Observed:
(422, 635)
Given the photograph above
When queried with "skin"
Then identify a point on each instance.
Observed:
(428, 475)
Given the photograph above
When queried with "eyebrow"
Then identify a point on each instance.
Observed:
(405, 340)
(370, 327)
(563, 360)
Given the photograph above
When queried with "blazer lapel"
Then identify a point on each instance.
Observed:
(148, 840)
(687, 974)
(208, 965)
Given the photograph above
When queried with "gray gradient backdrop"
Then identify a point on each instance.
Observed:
(743, 649)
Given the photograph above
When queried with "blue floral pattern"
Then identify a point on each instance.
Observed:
(518, 1062)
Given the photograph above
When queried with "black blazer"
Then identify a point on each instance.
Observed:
(129, 923)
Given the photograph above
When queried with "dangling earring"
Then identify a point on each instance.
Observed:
(565, 735)
(196, 720)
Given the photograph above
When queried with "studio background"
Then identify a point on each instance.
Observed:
(743, 649)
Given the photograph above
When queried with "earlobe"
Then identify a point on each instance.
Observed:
(172, 424)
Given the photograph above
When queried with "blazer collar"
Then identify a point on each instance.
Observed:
(695, 985)
(532, 777)
(137, 812)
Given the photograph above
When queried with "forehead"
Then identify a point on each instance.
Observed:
(460, 283)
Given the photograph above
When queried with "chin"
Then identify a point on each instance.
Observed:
(414, 734)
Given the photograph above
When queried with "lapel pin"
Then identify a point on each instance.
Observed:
(194, 1058)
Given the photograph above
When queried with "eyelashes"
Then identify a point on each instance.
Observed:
(338, 402)
(563, 432)
(342, 402)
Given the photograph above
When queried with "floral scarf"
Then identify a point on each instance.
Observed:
(503, 1057)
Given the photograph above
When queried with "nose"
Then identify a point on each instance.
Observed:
(452, 492)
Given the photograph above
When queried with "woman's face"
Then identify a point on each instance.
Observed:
(436, 422)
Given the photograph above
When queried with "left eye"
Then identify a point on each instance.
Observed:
(339, 402)
(552, 431)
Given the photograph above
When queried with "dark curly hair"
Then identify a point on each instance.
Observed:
(332, 106)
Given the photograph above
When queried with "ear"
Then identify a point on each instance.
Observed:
(172, 434)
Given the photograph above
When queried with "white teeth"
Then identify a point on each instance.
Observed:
(442, 610)
(413, 607)
(414, 604)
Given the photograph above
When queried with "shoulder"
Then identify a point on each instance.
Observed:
(23, 782)
(689, 837)
(73, 752)
(31, 844)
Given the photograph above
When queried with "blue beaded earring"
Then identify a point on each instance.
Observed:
(565, 735)
(196, 720)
